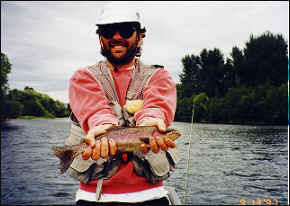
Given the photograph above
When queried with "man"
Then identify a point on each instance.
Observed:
(106, 95)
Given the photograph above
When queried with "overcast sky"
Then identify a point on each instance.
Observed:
(47, 41)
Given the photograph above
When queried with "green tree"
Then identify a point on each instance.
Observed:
(217, 110)
(200, 103)
(5, 70)
(36, 104)
(237, 104)
(249, 87)
(13, 108)
(184, 109)
(283, 104)
(61, 110)
(30, 101)
(190, 76)
(213, 73)
(265, 58)
(237, 62)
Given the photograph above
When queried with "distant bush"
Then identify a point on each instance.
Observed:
(264, 104)
(32, 103)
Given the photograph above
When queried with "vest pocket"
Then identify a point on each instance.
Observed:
(155, 166)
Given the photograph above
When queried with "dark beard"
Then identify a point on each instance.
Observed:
(129, 56)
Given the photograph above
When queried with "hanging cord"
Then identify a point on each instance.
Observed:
(188, 156)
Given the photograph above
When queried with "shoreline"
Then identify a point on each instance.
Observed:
(241, 123)
(33, 118)
(202, 122)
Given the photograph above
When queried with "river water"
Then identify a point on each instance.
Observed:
(228, 164)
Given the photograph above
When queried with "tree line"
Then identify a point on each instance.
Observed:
(250, 86)
(28, 102)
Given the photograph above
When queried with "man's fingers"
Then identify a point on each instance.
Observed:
(104, 147)
(95, 151)
(87, 153)
(90, 140)
(153, 145)
(169, 142)
(149, 121)
(113, 147)
(96, 131)
(102, 129)
(96, 154)
(161, 143)
(161, 126)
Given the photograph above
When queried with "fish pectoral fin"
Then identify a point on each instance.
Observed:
(144, 139)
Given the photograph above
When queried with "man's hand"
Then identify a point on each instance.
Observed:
(156, 142)
(99, 148)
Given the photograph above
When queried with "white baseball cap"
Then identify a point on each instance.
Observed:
(118, 12)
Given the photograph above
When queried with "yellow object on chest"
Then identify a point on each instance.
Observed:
(133, 106)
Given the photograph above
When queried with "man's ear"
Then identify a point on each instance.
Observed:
(101, 42)
(140, 39)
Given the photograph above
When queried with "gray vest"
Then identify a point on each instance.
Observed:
(86, 170)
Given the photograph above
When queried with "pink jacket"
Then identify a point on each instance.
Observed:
(91, 108)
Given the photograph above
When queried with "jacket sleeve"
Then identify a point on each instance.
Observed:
(159, 98)
(88, 101)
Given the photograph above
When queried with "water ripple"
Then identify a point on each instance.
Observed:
(227, 163)
(61, 194)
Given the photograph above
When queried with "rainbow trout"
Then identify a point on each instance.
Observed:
(127, 139)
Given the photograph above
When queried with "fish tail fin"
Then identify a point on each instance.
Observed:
(66, 155)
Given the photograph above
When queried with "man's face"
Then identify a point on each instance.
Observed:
(119, 42)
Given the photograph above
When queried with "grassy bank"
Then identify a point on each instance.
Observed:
(35, 117)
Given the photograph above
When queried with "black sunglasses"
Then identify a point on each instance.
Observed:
(126, 30)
